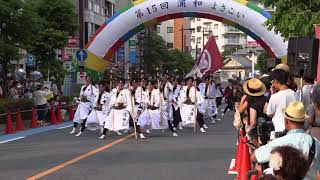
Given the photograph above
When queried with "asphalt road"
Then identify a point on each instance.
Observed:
(189, 156)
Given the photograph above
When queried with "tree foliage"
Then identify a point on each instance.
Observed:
(262, 63)
(294, 17)
(157, 54)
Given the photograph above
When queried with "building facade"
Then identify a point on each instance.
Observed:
(226, 36)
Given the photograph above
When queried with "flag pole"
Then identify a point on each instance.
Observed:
(160, 104)
(132, 107)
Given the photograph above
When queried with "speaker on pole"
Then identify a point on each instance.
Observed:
(303, 56)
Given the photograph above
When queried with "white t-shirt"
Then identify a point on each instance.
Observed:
(277, 103)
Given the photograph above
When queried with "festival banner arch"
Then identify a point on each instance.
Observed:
(241, 14)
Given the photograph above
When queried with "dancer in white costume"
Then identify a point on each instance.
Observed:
(100, 110)
(209, 107)
(188, 107)
(118, 118)
(85, 103)
(152, 116)
(177, 121)
(167, 90)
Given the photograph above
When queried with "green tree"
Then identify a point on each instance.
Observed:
(294, 17)
(157, 54)
(58, 22)
(262, 63)
(18, 28)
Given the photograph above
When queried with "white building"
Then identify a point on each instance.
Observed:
(166, 31)
(226, 36)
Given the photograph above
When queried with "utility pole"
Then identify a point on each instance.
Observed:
(81, 24)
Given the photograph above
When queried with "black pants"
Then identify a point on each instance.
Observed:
(83, 125)
(219, 101)
(176, 117)
(200, 120)
(132, 125)
(229, 106)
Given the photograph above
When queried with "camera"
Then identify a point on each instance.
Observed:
(264, 128)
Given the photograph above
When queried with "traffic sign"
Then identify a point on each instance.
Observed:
(81, 55)
(31, 60)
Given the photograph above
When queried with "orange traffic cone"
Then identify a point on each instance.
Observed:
(9, 126)
(19, 123)
(245, 163)
(71, 113)
(53, 119)
(236, 167)
(254, 177)
(33, 123)
(59, 115)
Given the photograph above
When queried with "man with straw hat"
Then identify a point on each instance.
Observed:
(294, 117)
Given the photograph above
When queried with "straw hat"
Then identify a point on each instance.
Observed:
(254, 87)
(295, 112)
(283, 67)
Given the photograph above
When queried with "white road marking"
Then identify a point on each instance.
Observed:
(65, 126)
(2, 142)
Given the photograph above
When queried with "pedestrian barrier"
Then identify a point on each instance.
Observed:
(56, 116)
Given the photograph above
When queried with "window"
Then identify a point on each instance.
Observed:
(158, 29)
(198, 19)
(90, 5)
(169, 45)
(198, 28)
(169, 29)
(198, 39)
(216, 38)
(216, 26)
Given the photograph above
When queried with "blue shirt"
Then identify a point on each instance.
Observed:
(297, 138)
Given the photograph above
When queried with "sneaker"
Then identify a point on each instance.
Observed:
(73, 131)
(174, 134)
(79, 134)
(102, 136)
(101, 129)
(222, 114)
(180, 126)
(142, 136)
(118, 133)
(148, 131)
(175, 129)
(202, 130)
(205, 126)
(213, 121)
(125, 131)
(218, 119)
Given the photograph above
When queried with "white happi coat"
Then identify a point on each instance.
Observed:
(209, 106)
(153, 118)
(118, 119)
(176, 94)
(84, 108)
(97, 118)
(168, 97)
(189, 111)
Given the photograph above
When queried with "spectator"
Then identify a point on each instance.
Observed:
(288, 162)
(314, 112)
(219, 94)
(308, 85)
(294, 116)
(41, 102)
(13, 91)
(279, 100)
(27, 94)
(256, 100)
(228, 95)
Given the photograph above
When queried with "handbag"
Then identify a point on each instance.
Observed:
(237, 120)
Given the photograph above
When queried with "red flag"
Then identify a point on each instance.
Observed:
(210, 60)
(317, 33)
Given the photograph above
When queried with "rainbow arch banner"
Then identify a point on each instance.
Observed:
(140, 14)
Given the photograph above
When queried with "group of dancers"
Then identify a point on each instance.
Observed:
(143, 105)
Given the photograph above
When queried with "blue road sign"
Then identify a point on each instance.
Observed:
(81, 55)
(31, 61)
